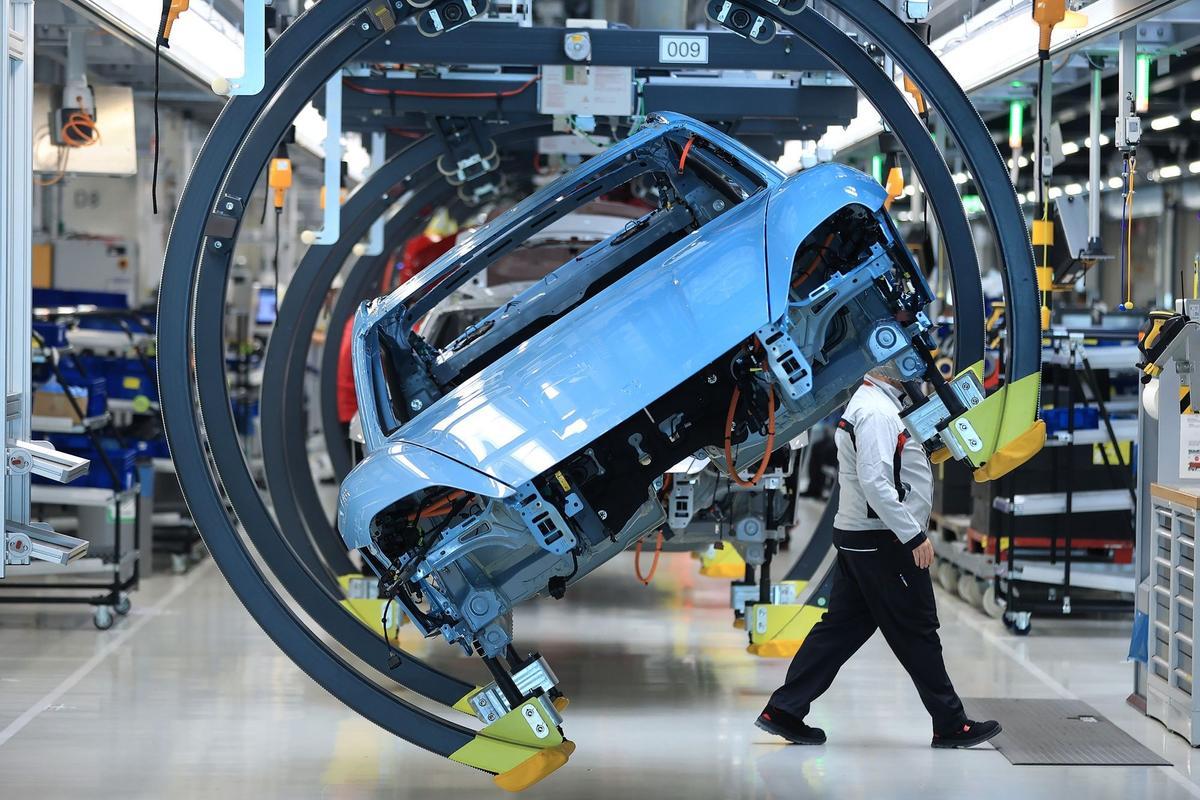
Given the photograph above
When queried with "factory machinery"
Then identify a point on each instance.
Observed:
(738, 310)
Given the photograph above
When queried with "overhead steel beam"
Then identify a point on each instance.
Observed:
(510, 45)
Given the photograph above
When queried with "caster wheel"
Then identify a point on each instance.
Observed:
(123, 604)
(1022, 623)
(948, 576)
(969, 589)
(103, 618)
(992, 607)
(179, 563)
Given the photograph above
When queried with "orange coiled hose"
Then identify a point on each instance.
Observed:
(762, 467)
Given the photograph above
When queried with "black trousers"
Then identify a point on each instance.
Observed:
(876, 584)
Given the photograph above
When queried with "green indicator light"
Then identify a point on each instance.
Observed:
(1016, 124)
(1142, 84)
(877, 168)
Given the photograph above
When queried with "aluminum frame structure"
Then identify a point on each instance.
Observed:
(195, 398)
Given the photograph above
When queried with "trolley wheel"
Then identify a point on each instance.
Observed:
(102, 617)
(179, 563)
(123, 604)
(947, 576)
(992, 606)
(1022, 623)
(969, 588)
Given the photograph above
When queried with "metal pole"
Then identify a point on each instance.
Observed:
(16, 253)
(1093, 246)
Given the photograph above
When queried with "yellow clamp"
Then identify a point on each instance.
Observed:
(520, 749)
(1003, 431)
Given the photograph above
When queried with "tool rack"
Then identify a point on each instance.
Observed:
(110, 518)
(1073, 567)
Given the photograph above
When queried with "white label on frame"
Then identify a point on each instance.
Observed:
(683, 49)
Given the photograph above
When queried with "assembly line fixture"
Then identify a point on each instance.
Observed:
(315, 47)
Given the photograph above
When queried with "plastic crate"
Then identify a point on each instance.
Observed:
(1057, 420)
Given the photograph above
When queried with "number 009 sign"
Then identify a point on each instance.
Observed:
(683, 49)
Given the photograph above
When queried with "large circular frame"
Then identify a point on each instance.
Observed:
(196, 407)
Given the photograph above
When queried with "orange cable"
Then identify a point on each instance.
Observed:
(762, 467)
(637, 560)
(687, 148)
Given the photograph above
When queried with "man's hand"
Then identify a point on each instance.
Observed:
(923, 554)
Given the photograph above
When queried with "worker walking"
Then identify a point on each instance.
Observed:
(881, 578)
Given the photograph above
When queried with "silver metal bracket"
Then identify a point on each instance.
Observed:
(40, 458)
(682, 505)
(548, 527)
(791, 369)
(489, 703)
(38, 541)
(254, 46)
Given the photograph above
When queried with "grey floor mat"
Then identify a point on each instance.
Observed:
(1063, 732)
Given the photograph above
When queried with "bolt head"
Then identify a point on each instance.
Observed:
(416, 405)
(602, 514)
(229, 206)
(366, 26)
(719, 204)
(218, 244)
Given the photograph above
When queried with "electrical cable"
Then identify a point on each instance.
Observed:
(637, 560)
(770, 444)
(159, 42)
(358, 87)
(687, 148)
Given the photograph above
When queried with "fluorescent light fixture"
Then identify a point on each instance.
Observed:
(1074, 189)
(994, 45)
(1055, 192)
(910, 190)
(1115, 183)
(960, 178)
(1172, 171)
(1022, 162)
(1165, 123)
(1030, 197)
(1104, 141)
(1194, 167)
(203, 42)
(1195, 115)
(1070, 148)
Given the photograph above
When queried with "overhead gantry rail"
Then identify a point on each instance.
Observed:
(204, 441)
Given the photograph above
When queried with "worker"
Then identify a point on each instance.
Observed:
(881, 576)
(347, 400)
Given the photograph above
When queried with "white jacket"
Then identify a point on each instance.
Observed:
(866, 462)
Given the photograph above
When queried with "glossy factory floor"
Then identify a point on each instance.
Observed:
(187, 697)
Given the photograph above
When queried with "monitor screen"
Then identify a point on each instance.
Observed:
(264, 314)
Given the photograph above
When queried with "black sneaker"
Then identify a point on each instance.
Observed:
(968, 735)
(780, 723)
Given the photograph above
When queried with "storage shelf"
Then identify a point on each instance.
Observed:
(65, 425)
(77, 495)
(1125, 430)
(1084, 575)
(1125, 356)
(1027, 505)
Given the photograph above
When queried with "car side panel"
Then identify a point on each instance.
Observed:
(607, 359)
